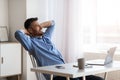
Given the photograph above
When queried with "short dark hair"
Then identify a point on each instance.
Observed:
(28, 22)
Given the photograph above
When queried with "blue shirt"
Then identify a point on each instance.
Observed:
(42, 47)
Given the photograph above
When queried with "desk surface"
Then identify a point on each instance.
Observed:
(74, 72)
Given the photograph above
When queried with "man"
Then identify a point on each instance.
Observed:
(39, 44)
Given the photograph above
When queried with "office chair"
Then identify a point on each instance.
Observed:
(39, 76)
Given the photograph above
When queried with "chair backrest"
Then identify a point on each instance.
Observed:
(39, 76)
(33, 60)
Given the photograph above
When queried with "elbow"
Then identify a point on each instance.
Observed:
(52, 22)
(16, 34)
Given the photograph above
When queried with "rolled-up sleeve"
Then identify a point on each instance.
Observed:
(49, 30)
(23, 39)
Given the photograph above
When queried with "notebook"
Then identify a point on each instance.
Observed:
(108, 58)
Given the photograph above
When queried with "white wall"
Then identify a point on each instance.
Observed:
(3, 12)
(36, 8)
(17, 16)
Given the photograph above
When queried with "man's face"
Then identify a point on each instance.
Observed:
(35, 28)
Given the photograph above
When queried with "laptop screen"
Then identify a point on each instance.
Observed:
(110, 54)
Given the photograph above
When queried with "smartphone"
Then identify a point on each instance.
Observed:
(60, 67)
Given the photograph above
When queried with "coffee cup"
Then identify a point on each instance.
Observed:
(81, 63)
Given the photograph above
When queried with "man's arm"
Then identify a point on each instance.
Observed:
(46, 24)
(50, 27)
(23, 38)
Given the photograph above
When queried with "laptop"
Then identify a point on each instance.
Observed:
(108, 58)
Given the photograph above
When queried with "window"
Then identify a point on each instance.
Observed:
(101, 28)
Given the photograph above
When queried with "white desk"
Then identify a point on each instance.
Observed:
(73, 72)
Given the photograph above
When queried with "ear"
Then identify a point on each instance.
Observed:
(30, 30)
